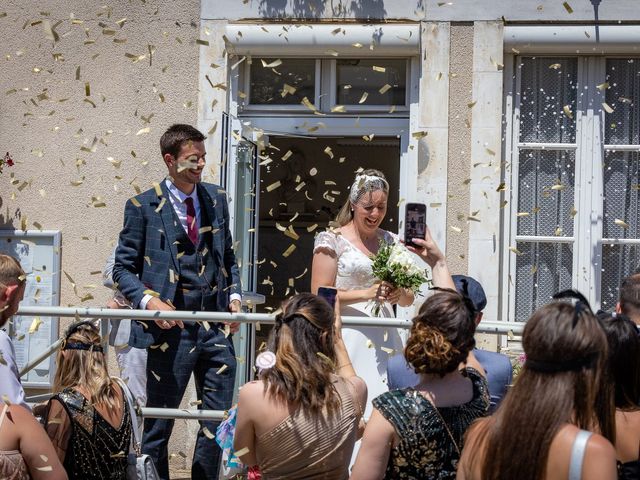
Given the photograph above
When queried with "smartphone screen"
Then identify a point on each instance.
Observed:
(329, 294)
(415, 222)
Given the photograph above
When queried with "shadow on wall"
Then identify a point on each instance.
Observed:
(315, 9)
(6, 221)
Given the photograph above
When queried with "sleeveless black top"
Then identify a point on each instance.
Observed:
(96, 450)
(426, 449)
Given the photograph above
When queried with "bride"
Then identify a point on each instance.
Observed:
(341, 258)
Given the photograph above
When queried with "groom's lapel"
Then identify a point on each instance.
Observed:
(169, 219)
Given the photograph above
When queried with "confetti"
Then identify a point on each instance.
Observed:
(607, 108)
(242, 451)
(419, 135)
(567, 111)
(305, 101)
(338, 109)
(273, 186)
(621, 223)
(286, 155)
(289, 250)
(363, 98)
(47, 468)
(35, 325)
(515, 250)
(603, 86)
(455, 229)
(275, 63)
(567, 7)
(328, 151)
(379, 69)
(555, 66)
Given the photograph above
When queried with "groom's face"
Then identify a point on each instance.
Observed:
(186, 168)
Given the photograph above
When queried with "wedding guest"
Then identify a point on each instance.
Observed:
(623, 371)
(342, 258)
(543, 429)
(12, 286)
(88, 420)
(629, 303)
(25, 449)
(301, 419)
(417, 432)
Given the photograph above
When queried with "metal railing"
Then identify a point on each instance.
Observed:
(492, 327)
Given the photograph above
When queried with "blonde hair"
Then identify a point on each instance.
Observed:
(86, 368)
(11, 272)
(345, 215)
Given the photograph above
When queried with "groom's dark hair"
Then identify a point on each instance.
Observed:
(176, 135)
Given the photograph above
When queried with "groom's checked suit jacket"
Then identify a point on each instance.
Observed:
(148, 252)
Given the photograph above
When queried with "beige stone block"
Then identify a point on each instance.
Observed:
(487, 95)
(488, 46)
(434, 83)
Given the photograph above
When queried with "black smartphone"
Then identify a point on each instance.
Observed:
(329, 294)
(415, 222)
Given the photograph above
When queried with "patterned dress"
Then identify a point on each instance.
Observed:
(426, 450)
(94, 449)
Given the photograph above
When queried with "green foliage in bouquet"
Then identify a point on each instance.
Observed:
(393, 263)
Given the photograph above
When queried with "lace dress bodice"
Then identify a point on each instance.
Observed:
(354, 267)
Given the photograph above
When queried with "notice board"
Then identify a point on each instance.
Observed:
(39, 254)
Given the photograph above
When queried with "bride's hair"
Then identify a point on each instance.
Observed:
(369, 180)
(442, 334)
(303, 343)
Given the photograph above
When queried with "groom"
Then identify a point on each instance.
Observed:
(175, 253)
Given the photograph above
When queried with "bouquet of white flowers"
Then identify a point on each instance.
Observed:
(393, 264)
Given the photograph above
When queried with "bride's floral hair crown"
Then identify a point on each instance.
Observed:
(367, 183)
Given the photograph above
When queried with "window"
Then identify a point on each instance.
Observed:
(575, 161)
(335, 86)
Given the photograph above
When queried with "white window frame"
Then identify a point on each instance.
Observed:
(325, 91)
(589, 158)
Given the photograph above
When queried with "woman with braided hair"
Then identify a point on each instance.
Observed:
(418, 432)
(341, 258)
(300, 420)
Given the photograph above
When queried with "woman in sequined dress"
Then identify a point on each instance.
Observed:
(88, 420)
(417, 432)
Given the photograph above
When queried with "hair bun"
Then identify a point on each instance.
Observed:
(428, 351)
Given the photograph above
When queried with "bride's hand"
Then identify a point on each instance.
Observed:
(376, 292)
(394, 295)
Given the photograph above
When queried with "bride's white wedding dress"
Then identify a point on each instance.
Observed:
(369, 347)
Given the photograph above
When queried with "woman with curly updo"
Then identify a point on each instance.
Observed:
(417, 432)
(300, 420)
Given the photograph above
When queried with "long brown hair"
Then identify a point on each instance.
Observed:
(345, 215)
(442, 334)
(566, 351)
(86, 368)
(303, 343)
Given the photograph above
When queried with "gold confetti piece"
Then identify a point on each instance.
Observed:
(357, 45)
(388, 350)
(384, 89)
(606, 107)
(567, 111)
(522, 214)
(157, 188)
(311, 228)
(555, 66)
(338, 109)
(621, 223)
(46, 468)
(241, 452)
(515, 250)
(332, 52)
(87, 89)
(328, 151)
(625, 100)
(135, 202)
(472, 104)
(160, 205)
(573, 212)
(363, 98)
(147, 259)
(286, 155)
(370, 344)
(287, 90)
(455, 229)
(157, 377)
(379, 69)
(35, 325)
(305, 101)
(289, 232)
(273, 186)
(567, 7)
(498, 65)
(419, 135)
(142, 131)
(275, 63)
(289, 250)
(558, 187)
(44, 458)
(558, 232)
(153, 293)
(202, 42)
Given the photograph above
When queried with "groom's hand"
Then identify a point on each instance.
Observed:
(157, 304)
